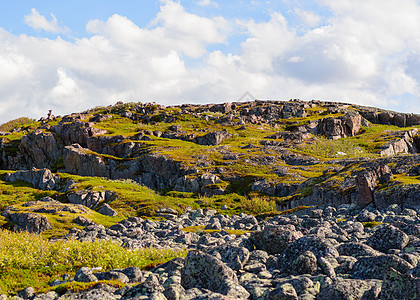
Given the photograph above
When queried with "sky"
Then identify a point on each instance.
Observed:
(70, 56)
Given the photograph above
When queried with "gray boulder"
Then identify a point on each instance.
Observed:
(213, 138)
(29, 222)
(43, 179)
(400, 286)
(347, 289)
(85, 275)
(107, 210)
(388, 237)
(375, 267)
(356, 249)
(206, 271)
(274, 240)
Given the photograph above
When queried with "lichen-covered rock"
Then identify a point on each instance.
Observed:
(235, 257)
(388, 237)
(284, 292)
(305, 263)
(400, 286)
(33, 223)
(85, 275)
(112, 275)
(206, 271)
(274, 240)
(375, 267)
(213, 138)
(347, 289)
(356, 249)
(107, 210)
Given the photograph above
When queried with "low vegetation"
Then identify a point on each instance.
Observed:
(17, 123)
(30, 260)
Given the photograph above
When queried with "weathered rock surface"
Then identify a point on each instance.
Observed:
(33, 223)
(43, 179)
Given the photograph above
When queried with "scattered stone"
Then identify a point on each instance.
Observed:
(107, 210)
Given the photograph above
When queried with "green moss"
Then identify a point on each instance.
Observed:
(76, 287)
(371, 224)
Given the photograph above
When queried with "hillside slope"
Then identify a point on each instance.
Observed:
(300, 152)
(206, 179)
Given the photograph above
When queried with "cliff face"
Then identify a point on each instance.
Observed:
(303, 153)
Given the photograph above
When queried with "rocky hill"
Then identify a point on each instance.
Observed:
(301, 183)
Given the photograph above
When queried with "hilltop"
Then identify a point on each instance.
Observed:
(296, 153)
(138, 173)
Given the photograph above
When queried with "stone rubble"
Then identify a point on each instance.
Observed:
(320, 253)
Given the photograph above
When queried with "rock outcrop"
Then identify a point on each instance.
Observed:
(43, 179)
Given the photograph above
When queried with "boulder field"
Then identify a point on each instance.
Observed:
(322, 253)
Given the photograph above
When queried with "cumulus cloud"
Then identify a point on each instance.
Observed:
(206, 3)
(359, 55)
(307, 17)
(40, 22)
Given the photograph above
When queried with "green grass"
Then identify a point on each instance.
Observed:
(75, 286)
(19, 192)
(258, 204)
(29, 260)
(17, 123)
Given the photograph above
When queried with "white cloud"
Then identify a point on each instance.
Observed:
(40, 22)
(307, 17)
(360, 56)
(206, 3)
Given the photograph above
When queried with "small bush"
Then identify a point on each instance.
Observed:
(258, 205)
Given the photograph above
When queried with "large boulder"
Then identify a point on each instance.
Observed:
(347, 289)
(33, 223)
(203, 270)
(340, 127)
(400, 286)
(43, 179)
(367, 180)
(304, 250)
(213, 138)
(275, 240)
(374, 267)
(388, 237)
(88, 198)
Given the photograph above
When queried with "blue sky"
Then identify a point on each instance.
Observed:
(72, 55)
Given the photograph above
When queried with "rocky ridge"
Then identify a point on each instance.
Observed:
(215, 138)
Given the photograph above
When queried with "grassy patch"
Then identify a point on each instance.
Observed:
(29, 260)
(19, 192)
(258, 204)
(17, 123)
(76, 287)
